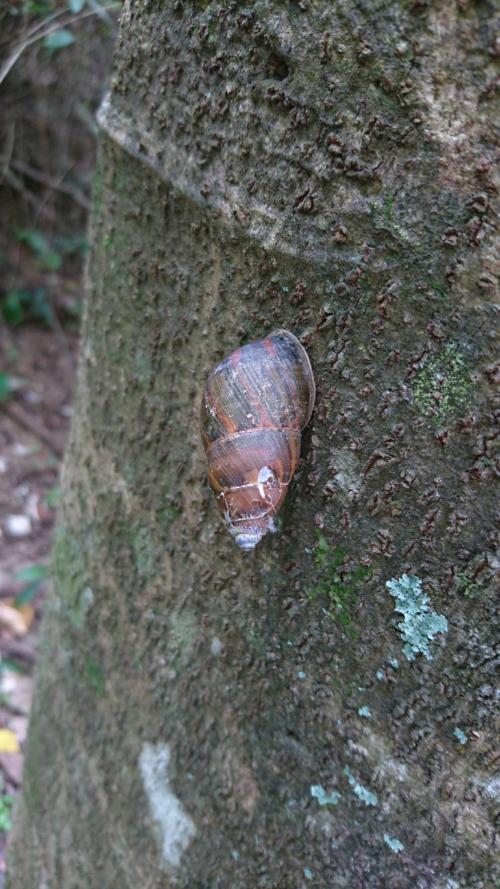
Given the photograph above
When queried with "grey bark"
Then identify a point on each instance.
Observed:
(205, 718)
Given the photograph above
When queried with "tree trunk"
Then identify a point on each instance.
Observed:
(208, 718)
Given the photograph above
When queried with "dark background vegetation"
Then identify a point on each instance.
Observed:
(55, 61)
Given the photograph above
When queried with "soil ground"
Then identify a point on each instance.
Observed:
(34, 422)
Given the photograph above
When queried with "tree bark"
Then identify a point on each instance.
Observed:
(205, 718)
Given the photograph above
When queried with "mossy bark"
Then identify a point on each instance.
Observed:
(205, 718)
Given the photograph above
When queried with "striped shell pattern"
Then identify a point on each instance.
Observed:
(255, 406)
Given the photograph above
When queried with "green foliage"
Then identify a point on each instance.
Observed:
(443, 387)
(20, 306)
(33, 577)
(53, 496)
(337, 583)
(420, 623)
(68, 245)
(42, 8)
(48, 257)
(58, 40)
(7, 386)
(6, 803)
(14, 667)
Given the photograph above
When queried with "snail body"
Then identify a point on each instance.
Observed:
(256, 404)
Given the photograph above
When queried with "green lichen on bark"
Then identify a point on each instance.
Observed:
(71, 578)
(145, 552)
(443, 389)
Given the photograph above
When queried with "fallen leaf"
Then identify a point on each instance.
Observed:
(8, 741)
(27, 613)
(12, 767)
(12, 619)
(18, 689)
(19, 725)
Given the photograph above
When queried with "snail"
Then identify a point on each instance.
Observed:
(256, 404)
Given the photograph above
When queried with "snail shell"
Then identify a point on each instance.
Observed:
(255, 406)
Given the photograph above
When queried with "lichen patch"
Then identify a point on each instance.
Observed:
(174, 828)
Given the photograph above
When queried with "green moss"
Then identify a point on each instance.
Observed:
(166, 515)
(337, 583)
(442, 389)
(70, 577)
(94, 675)
(143, 371)
(145, 553)
(469, 583)
(128, 473)
(183, 632)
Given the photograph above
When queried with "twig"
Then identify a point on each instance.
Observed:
(9, 145)
(11, 61)
(50, 182)
(11, 648)
(19, 186)
(17, 416)
(62, 339)
(42, 24)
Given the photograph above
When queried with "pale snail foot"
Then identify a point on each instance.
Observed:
(248, 538)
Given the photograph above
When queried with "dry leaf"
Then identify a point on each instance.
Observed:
(18, 688)
(11, 765)
(28, 614)
(12, 619)
(19, 725)
(8, 741)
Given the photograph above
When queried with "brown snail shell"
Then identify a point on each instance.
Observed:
(255, 406)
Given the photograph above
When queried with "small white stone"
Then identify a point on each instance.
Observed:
(21, 450)
(17, 525)
(32, 397)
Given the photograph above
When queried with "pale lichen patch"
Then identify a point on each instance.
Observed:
(174, 828)
(324, 798)
(420, 623)
(394, 844)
